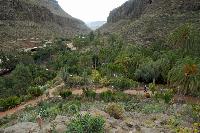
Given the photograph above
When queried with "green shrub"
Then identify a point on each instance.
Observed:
(196, 111)
(152, 87)
(115, 110)
(40, 75)
(2, 105)
(73, 109)
(89, 93)
(71, 80)
(53, 111)
(157, 96)
(104, 81)
(167, 96)
(34, 91)
(123, 83)
(132, 105)
(153, 108)
(65, 94)
(120, 96)
(27, 97)
(10, 102)
(96, 76)
(86, 124)
(106, 96)
(75, 81)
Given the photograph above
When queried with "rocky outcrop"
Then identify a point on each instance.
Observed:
(144, 21)
(37, 18)
(129, 10)
(26, 127)
(131, 123)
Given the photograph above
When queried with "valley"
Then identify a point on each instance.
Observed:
(138, 73)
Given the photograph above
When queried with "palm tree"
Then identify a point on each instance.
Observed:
(185, 76)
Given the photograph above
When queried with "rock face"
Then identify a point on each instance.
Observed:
(36, 18)
(132, 123)
(129, 10)
(26, 127)
(144, 21)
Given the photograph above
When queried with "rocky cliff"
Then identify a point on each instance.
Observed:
(22, 19)
(144, 21)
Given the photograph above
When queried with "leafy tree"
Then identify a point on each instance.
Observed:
(22, 78)
(185, 75)
(129, 63)
(8, 60)
(95, 60)
(186, 38)
(147, 72)
(85, 60)
(40, 75)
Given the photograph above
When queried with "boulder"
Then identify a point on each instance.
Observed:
(1, 130)
(25, 127)
(61, 120)
(61, 128)
(96, 112)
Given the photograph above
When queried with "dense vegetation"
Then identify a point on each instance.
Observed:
(109, 61)
(106, 61)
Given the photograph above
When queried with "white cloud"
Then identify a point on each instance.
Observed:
(90, 10)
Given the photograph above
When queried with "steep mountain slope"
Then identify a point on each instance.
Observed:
(144, 21)
(25, 19)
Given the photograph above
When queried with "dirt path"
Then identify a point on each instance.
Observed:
(51, 92)
(136, 91)
(33, 102)
(77, 91)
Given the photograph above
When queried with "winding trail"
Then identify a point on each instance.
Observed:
(32, 102)
(77, 91)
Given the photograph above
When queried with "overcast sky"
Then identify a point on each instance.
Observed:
(90, 10)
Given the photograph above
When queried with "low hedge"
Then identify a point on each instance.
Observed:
(10, 102)
(35, 91)
(122, 83)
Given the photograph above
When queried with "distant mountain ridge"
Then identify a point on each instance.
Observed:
(144, 21)
(95, 25)
(36, 19)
